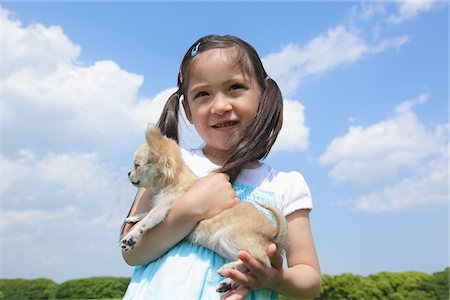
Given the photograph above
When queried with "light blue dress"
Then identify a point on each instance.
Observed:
(189, 271)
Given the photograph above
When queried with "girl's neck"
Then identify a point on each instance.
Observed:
(218, 157)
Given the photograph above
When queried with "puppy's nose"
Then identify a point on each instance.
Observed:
(129, 173)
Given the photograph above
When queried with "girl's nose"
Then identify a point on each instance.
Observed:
(221, 105)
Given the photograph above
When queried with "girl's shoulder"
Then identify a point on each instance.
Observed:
(290, 188)
(294, 191)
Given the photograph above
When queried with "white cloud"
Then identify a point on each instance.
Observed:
(367, 11)
(57, 180)
(344, 43)
(55, 206)
(62, 125)
(410, 9)
(383, 150)
(294, 134)
(45, 189)
(34, 46)
(340, 45)
(365, 155)
(53, 102)
(428, 187)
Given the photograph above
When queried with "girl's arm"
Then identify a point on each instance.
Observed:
(206, 198)
(300, 280)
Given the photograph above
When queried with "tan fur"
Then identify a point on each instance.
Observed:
(160, 167)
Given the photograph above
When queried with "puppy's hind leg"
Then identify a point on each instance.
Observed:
(228, 283)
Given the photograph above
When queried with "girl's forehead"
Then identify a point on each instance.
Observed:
(225, 55)
(216, 60)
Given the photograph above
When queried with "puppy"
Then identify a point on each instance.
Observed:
(158, 166)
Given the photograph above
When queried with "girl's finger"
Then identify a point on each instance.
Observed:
(245, 279)
(275, 257)
(252, 264)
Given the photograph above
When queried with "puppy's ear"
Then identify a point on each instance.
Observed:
(154, 137)
(166, 154)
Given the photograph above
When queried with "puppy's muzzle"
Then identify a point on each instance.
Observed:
(134, 182)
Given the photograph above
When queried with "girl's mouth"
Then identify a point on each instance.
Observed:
(224, 124)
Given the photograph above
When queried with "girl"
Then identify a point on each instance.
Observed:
(237, 111)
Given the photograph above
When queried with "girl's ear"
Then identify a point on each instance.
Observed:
(187, 110)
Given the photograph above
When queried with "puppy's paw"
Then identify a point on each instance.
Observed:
(134, 219)
(237, 265)
(227, 285)
(128, 242)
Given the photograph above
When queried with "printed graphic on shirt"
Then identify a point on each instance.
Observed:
(255, 196)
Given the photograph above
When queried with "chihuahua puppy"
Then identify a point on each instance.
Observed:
(158, 166)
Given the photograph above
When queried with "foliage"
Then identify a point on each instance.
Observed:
(93, 288)
(18, 289)
(384, 285)
(438, 283)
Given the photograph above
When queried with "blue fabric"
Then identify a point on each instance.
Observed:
(189, 271)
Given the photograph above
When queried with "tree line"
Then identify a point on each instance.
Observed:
(384, 285)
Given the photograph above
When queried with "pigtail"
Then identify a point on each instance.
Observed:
(168, 120)
(260, 135)
(272, 111)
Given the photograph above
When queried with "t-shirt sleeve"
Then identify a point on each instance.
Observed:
(295, 193)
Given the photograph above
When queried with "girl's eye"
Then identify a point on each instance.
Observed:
(236, 86)
(201, 94)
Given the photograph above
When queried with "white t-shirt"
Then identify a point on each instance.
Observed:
(287, 191)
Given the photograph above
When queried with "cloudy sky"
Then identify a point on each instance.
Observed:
(366, 122)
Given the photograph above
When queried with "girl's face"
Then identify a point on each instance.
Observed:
(221, 101)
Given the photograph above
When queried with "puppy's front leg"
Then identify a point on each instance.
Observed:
(155, 216)
(134, 219)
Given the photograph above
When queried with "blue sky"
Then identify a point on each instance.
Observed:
(366, 122)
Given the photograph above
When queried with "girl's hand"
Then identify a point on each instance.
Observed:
(209, 196)
(259, 276)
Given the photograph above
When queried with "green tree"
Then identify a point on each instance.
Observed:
(23, 289)
(437, 284)
(402, 286)
(93, 288)
(327, 286)
(350, 287)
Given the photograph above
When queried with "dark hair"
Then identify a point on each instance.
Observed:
(259, 137)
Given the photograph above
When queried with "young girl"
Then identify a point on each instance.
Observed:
(237, 111)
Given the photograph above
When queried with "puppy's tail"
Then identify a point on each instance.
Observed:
(280, 237)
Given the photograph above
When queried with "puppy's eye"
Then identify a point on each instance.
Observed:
(136, 165)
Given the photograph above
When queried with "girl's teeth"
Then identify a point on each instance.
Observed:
(224, 124)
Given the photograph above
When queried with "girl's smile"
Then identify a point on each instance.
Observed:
(221, 101)
(225, 125)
